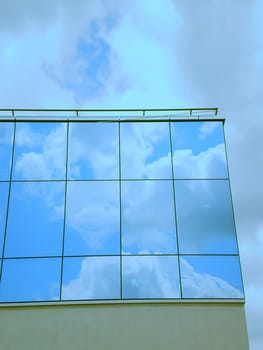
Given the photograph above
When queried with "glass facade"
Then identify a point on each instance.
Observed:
(116, 210)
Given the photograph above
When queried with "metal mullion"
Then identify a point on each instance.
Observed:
(120, 204)
(8, 199)
(65, 211)
(175, 214)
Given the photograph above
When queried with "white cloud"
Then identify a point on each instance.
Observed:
(207, 129)
(204, 285)
(49, 159)
(207, 164)
(254, 311)
(97, 278)
(93, 211)
(172, 53)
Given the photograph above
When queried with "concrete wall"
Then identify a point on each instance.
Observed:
(124, 326)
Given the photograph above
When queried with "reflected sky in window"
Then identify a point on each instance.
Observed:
(198, 150)
(93, 218)
(110, 223)
(93, 151)
(30, 280)
(6, 144)
(91, 278)
(40, 151)
(211, 277)
(148, 221)
(4, 186)
(205, 217)
(145, 151)
(150, 277)
(35, 220)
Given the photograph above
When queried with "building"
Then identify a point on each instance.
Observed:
(117, 231)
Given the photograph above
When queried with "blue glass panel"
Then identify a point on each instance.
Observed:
(205, 217)
(150, 277)
(93, 218)
(91, 278)
(211, 277)
(6, 144)
(198, 150)
(148, 219)
(30, 280)
(93, 151)
(4, 186)
(145, 151)
(40, 151)
(35, 221)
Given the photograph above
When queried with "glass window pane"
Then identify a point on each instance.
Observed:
(4, 186)
(198, 150)
(205, 217)
(145, 151)
(93, 151)
(91, 278)
(6, 144)
(150, 277)
(92, 218)
(148, 218)
(30, 280)
(211, 277)
(35, 220)
(40, 151)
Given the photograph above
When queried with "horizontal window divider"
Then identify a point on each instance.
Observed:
(209, 254)
(60, 256)
(115, 179)
(114, 255)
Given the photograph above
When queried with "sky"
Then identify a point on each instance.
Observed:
(152, 54)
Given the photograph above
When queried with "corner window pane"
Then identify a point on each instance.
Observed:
(148, 219)
(35, 220)
(211, 277)
(92, 218)
(91, 278)
(4, 186)
(6, 144)
(145, 151)
(198, 150)
(30, 280)
(40, 151)
(205, 217)
(93, 151)
(150, 277)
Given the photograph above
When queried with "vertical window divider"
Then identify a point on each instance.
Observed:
(120, 203)
(65, 211)
(175, 215)
(8, 197)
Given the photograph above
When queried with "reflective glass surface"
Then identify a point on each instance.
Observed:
(205, 217)
(148, 220)
(211, 277)
(4, 186)
(145, 151)
(30, 280)
(92, 218)
(6, 145)
(93, 151)
(91, 278)
(150, 277)
(35, 220)
(198, 150)
(40, 151)
(116, 210)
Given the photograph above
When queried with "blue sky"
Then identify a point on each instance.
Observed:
(166, 53)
